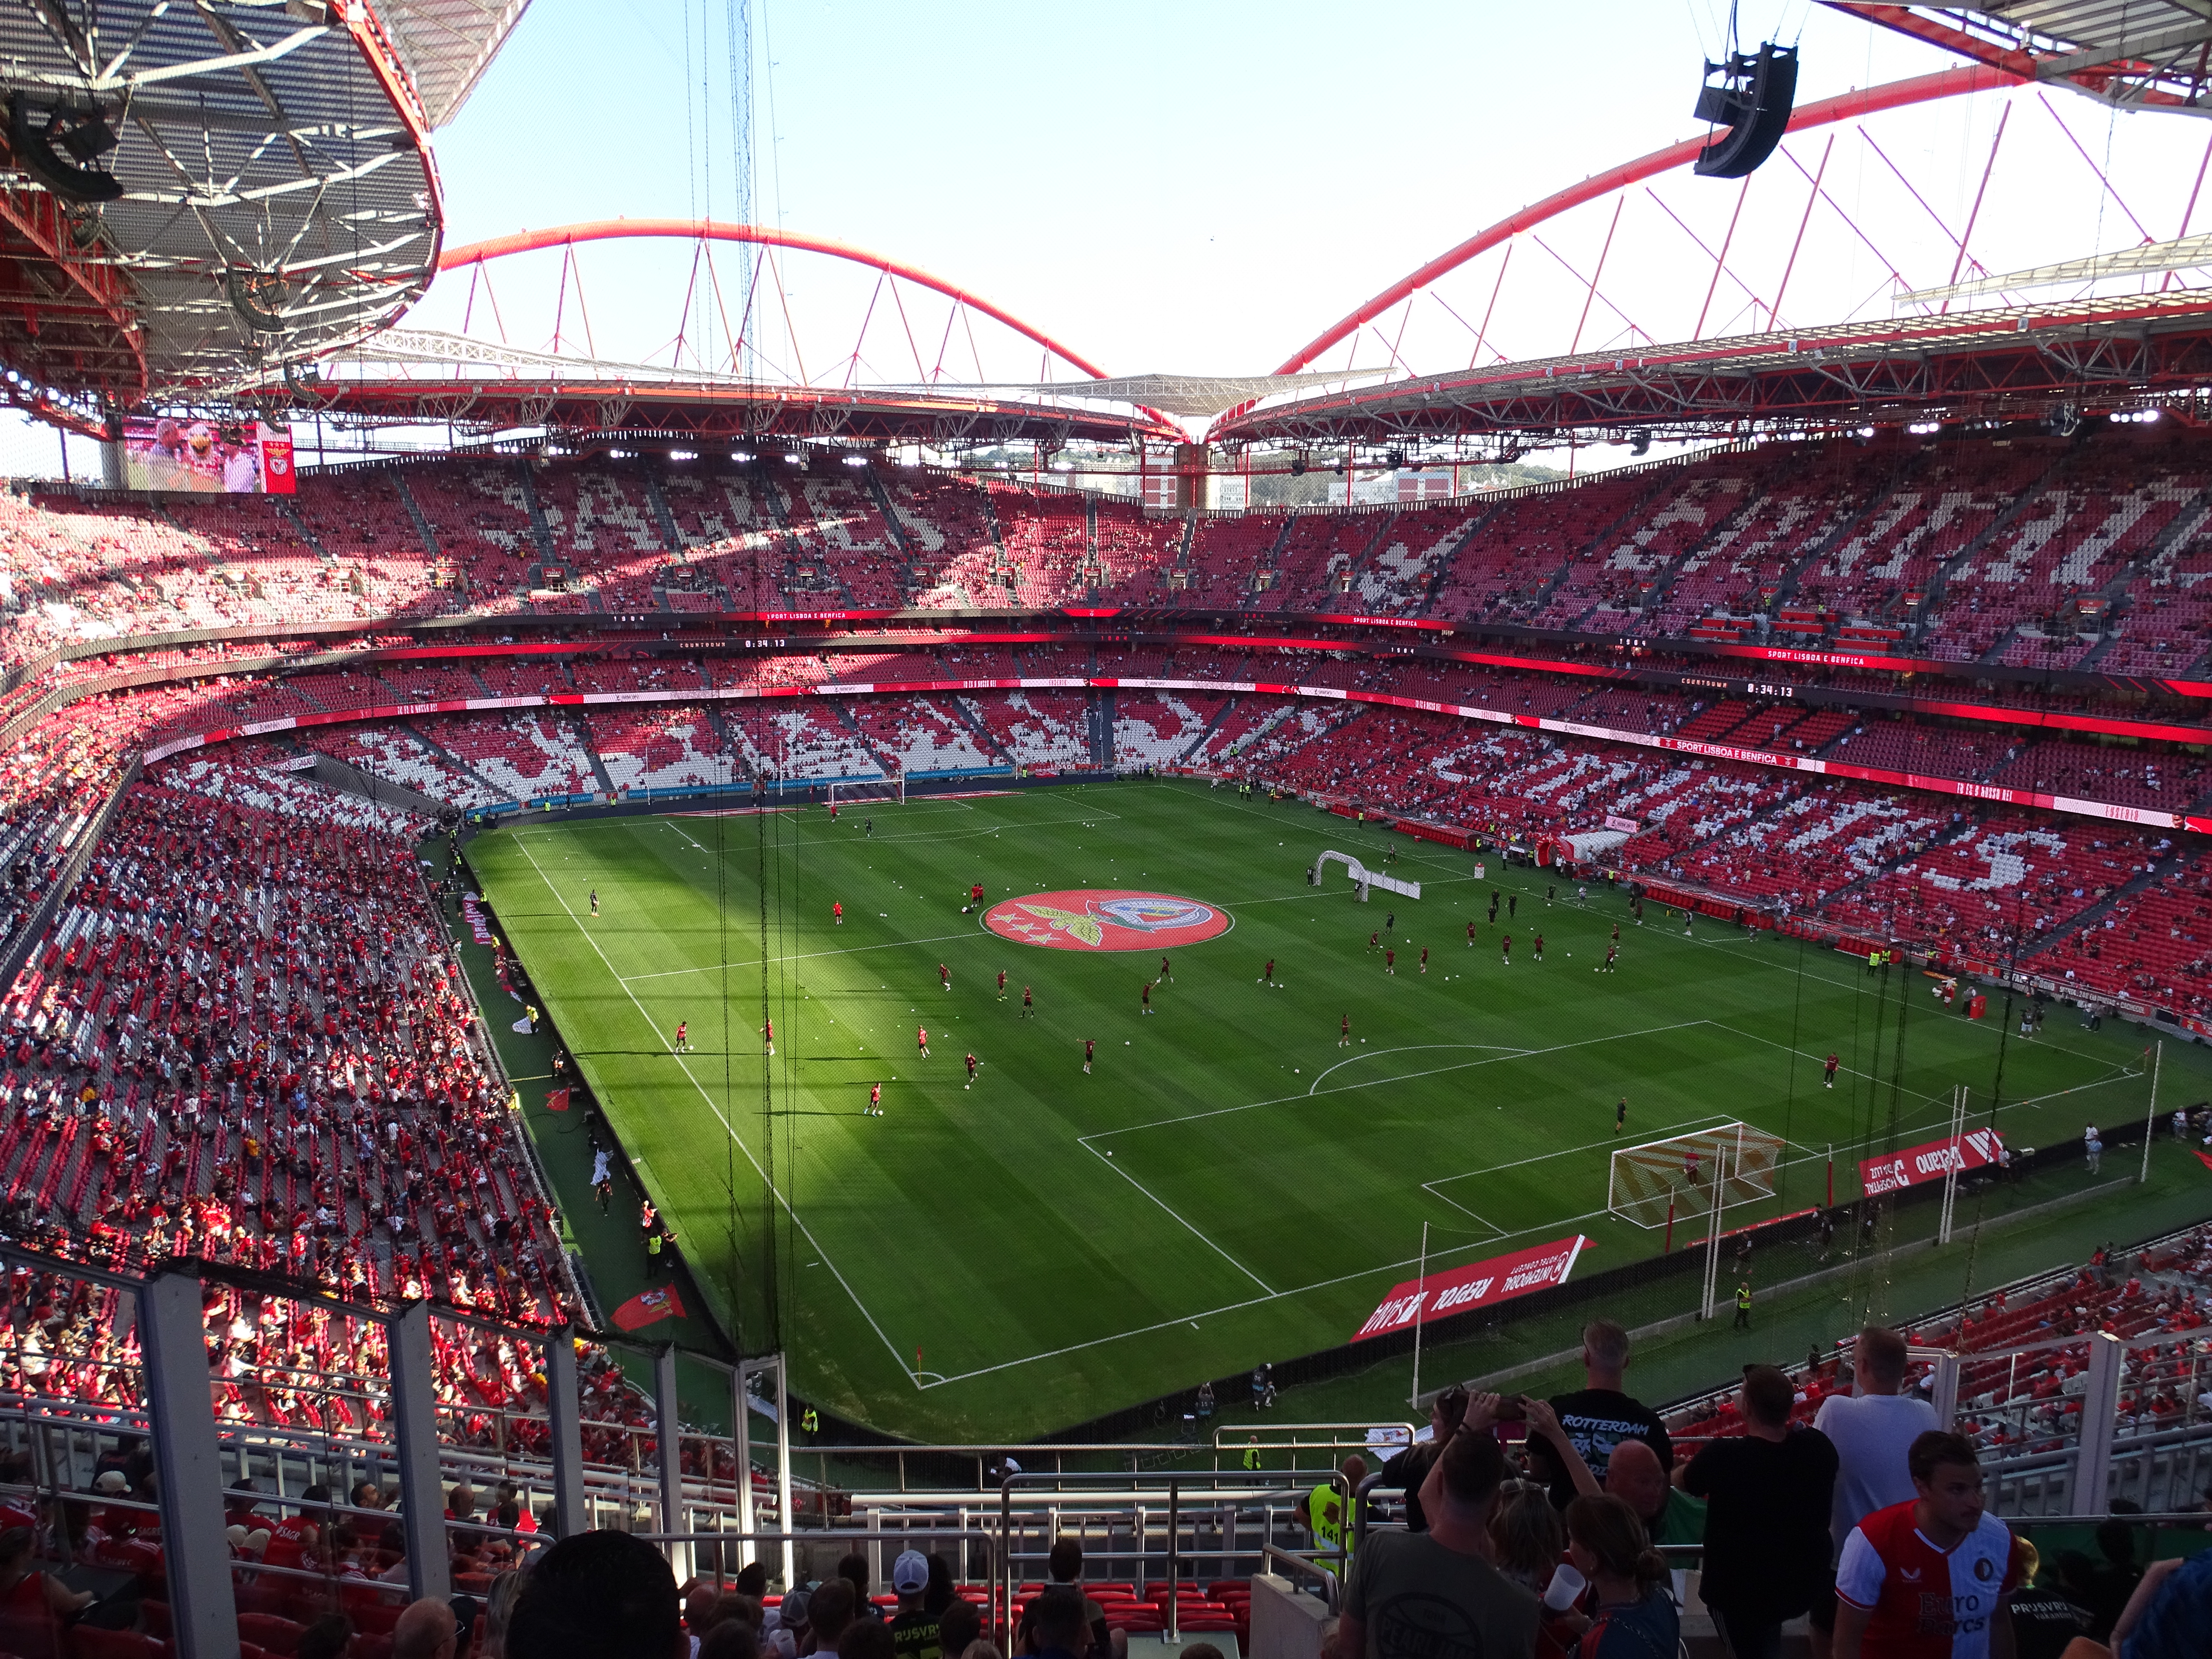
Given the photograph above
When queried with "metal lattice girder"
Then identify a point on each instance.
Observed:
(1976, 362)
(2143, 54)
(2187, 253)
(274, 193)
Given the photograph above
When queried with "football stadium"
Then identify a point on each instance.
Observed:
(1488, 944)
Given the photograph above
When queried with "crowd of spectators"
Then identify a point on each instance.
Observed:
(1541, 1522)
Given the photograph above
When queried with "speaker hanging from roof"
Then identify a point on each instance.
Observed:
(1752, 100)
(33, 134)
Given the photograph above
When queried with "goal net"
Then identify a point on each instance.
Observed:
(1693, 1174)
(849, 791)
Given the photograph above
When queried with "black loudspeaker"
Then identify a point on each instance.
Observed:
(1754, 102)
(33, 134)
(1640, 444)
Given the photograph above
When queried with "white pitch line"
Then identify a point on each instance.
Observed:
(808, 956)
(1193, 1231)
(896, 1357)
(1252, 1302)
(1413, 1049)
(1284, 1100)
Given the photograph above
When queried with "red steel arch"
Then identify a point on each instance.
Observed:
(602, 230)
(1897, 95)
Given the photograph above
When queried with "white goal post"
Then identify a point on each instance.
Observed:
(1688, 1176)
(845, 792)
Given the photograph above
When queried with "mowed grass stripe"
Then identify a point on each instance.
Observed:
(980, 1227)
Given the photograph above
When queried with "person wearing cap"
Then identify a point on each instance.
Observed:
(915, 1632)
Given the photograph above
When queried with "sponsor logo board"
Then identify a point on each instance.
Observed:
(1441, 1295)
(1916, 1166)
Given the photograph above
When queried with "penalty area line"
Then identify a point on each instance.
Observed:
(897, 1358)
(1103, 1158)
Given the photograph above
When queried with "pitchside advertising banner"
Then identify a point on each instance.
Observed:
(1440, 1295)
(211, 458)
(1918, 1165)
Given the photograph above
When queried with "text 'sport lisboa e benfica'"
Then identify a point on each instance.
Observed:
(1106, 919)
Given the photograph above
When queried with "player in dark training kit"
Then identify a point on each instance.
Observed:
(595, 900)
(1620, 1115)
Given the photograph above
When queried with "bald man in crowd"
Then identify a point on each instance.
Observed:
(426, 1630)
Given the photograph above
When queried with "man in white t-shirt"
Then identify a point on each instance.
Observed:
(1872, 1432)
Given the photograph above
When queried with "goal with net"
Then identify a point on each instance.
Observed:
(856, 791)
(1690, 1175)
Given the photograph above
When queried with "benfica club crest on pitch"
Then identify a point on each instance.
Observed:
(1105, 919)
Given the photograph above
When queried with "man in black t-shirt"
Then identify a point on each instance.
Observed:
(2044, 1622)
(1768, 1493)
(1598, 1417)
(914, 1632)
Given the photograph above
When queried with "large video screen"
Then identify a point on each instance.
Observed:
(169, 453)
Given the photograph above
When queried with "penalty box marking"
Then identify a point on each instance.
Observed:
(897, 1358)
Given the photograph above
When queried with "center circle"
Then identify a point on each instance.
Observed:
(1106, 919)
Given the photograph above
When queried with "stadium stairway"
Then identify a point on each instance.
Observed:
(582, 728)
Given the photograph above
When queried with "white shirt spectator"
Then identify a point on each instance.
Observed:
(1872, 1433)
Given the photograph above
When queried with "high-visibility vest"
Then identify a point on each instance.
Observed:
(653, 1245)
(1743, 1298)
(811, 1421)
(1325, 1510)
(1251, 1457)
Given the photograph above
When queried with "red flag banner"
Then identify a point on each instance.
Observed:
(648, 1308)
(556, 1100)
(1502, 1278)
(1918, 1165)
(2204, 1157)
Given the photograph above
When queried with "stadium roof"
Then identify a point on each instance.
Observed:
(1996, 364)
(1201, 396)
(2144, 54)
(188, 190)
(446, 46)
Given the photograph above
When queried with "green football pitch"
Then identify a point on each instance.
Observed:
(1230, 1182)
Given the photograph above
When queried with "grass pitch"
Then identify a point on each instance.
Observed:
(1230, 1183)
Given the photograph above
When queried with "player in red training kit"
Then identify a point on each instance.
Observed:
(1830, 1068)
(1090, 1047)
(1425, 958)
(1470, 934)
(683, 1036)
(1389, 961)
(875, 1100)
(921, 1040)
(1002, 985)
(1375, 939)
(768, 1032)
(1344, 1040)
(1928, 1578)
(1028, 1007)
(971, 1068)
(945, 975)
(1611, 952)
(976, 893)
(1164, 974)
(1268, 977)
(1539, 947)
(1145, 996)
(837, 912)
(1505, 949)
